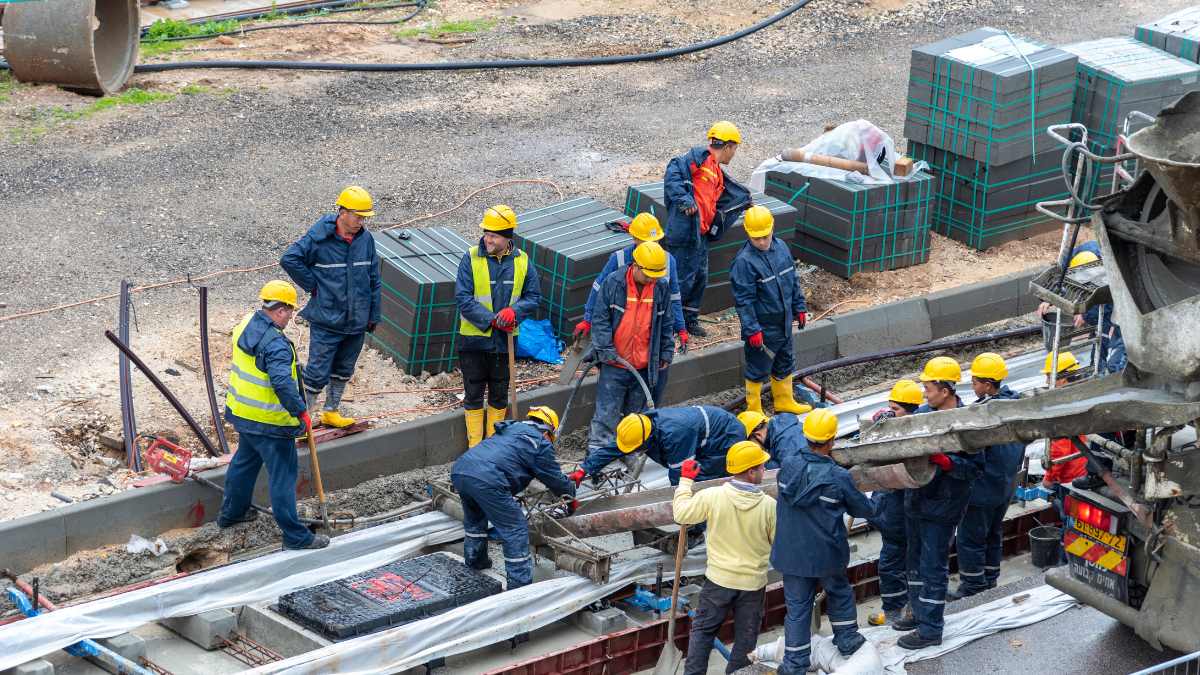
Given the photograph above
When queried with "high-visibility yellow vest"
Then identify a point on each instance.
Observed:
(483, 287)
(251, 395)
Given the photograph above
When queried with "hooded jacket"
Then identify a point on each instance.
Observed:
(512, 458)
(996, 484)
(342, 278)
(814, 495)
(617, 261)
(610, 309)
(944, 498)
(273, 354)
(701, 432)
(785, 437)
(766, 290)
(741, 529)
(683, 231)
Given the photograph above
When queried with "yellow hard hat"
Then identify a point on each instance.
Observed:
(907, 391)
(941, 369)
(278, 291)
(820, 425)
(1083, 258)
(357, 200)
(545, 414)
(752, 420)
(1067, 363)
(725, 132)
(759, 222)
(652, 258)
(745, 455)
(499, 218)
(632, 431)
(645, 227)
(989, 366)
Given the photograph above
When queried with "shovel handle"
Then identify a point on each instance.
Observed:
(512, 377)
(316, 465)
(680, 550)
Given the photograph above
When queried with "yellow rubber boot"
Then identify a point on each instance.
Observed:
(781, 391)
(754, 396)
(494, 415)
(474, 426)
(332, 418)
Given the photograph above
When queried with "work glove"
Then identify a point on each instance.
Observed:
(942, 460)
(683, 340)
(505, 319)
(886, 413)
(582, 328)
(306, 421)
(755, 340)
(572, 507)
(577, 476)
(690, 469)
(371, 327)
(801, 319)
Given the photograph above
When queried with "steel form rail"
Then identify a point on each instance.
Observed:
(133, 458)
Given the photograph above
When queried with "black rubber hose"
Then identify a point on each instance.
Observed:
(474, 65)
(301, 24)
(206, 363)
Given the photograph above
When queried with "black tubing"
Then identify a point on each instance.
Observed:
(473, 65)
(133, 458)
(206, 362)
(300, 24)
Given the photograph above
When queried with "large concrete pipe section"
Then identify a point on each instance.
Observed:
(87, 46)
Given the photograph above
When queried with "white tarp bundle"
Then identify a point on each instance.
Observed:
(859, 141)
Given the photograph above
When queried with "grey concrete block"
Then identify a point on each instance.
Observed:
(127, 645)
(35, 667)
(207, 629)
(282, 635)
(896, 324)
(603, 622)
(817, 343)
(30, 541)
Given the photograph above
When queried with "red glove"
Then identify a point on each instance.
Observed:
(683, 339)
(577, 476)
(801, 319)
(755, 340)
(306, 421)
(690, 469)
(582, 328)
(942, 461)
(505, 319)
(572, 507)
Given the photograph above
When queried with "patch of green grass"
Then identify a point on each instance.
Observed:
(194, 90)
(150, 49)
(43, 120)
(463, 27)
(172, 28)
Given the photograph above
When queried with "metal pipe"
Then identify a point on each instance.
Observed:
(128, 423)
(206, 363)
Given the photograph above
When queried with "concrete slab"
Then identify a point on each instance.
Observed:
(33, 540)
(208, 630)
(956, 310)
(817, 343)
(601, 622)
(35, 667)
(896, 324)
(278, 633)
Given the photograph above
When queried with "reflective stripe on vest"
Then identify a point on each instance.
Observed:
(251, 395)
(483, 287)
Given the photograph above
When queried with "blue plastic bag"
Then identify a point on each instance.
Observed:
(536, 341)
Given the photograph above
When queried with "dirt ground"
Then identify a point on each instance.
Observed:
(238, 163)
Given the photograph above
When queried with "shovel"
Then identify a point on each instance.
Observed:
(575, 356)
(512, 377)
(671, 658)
(316, 466)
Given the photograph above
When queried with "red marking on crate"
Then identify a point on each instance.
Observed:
(391, 587)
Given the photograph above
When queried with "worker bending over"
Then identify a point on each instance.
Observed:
(980, 538)
(812, 550)
(701, 202)
(265, 405)
(933, 511)
(633, 322)
(768, 297)
(335, 263)
(904, 399)
(495, 290)
(741, 525)
(487, 478)
(644, 227)
(780, 435)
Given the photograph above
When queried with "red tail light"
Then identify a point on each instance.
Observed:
(1090, 514)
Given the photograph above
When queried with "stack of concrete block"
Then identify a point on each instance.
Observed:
(569, 243)
(419, 327)
(1177, 34)
(847, 227)
(718, 295)
(1116, 76)
(985, 99)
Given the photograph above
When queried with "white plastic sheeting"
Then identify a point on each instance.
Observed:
(858, 141)
(883, 656)
(250, 581)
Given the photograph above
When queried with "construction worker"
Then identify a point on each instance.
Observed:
(933, 511)
(335, 263)
(1111, 354)
(904, 399)
(812, 550)
(981, 534)
(489, 476)
(1074, 471)
(496, 289)
(643, 227)
(632, 323)
(741, 525)
(265, 405)
(780, 435)
(701, 202)
(670, 436)
(768, 297)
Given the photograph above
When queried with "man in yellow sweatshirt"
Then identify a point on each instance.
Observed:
(741, 528)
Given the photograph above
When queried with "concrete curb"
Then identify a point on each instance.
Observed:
(53, 535)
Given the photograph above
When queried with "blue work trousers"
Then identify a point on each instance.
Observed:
(799, 594)
(980, 545)
(928, 574)
(279, 454)
(759, 364)
(692, 262)
(483, 503)
(617, 395)
(1112, 355)
(330, 356)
